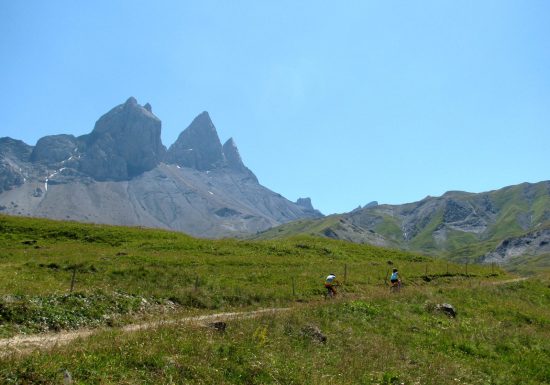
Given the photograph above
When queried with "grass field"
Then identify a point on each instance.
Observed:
(125, 275)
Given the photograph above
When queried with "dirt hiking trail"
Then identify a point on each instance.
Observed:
(25, 344)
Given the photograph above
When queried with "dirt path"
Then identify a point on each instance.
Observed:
(28, 344)
(509, 281)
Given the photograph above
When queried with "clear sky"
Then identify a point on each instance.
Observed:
(342, 101)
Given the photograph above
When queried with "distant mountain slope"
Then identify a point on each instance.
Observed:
(121, 173)
(458, 224)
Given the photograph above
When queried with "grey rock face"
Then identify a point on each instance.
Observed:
(532, 244)
(458, 219)
(15, 149)
(54, 148)
(125, 142)
(220, 203)
(232, 155)
(198, 146)
(9, 176)
(305, 203)
(233, 159)
(456, 211)
(115, 175)
(13, 157)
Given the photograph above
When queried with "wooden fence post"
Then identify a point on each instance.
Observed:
(73, 278)
(197, 282)
(345, 272)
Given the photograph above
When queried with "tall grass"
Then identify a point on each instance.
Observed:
(500, 336)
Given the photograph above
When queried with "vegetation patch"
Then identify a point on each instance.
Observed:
(31, 314)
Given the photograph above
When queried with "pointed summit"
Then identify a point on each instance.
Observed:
(232, 155)
(125, 142)
(306, 204)
(233, 159)
(198, 146)
(131, 101)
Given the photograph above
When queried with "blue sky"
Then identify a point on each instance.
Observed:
(344, 102)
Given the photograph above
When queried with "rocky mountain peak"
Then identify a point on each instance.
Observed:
(232, 155)
(54, 148)
(233, 159)
(305, 202)
(57, 178)
(198, 146)
(15, 148)
(125, 142)
(131, 101)
(13, 156)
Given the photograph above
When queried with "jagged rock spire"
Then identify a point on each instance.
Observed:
(198, 146)
(305, 203)
(125, 142)
(232, 155)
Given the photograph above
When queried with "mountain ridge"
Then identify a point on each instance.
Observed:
(121, 173)
(483, 227)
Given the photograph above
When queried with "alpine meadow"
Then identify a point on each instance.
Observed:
(275, 192)
(60, 278)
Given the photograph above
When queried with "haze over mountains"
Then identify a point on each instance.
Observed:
(122, 174)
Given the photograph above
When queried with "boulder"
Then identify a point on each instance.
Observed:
(313, 332)
(218, 325)
(447, 309)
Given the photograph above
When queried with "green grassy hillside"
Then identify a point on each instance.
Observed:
(122, 270)
(439, 226)
(128, 275)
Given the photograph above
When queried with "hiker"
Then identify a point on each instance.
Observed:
(394, 279)
(330, 283)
